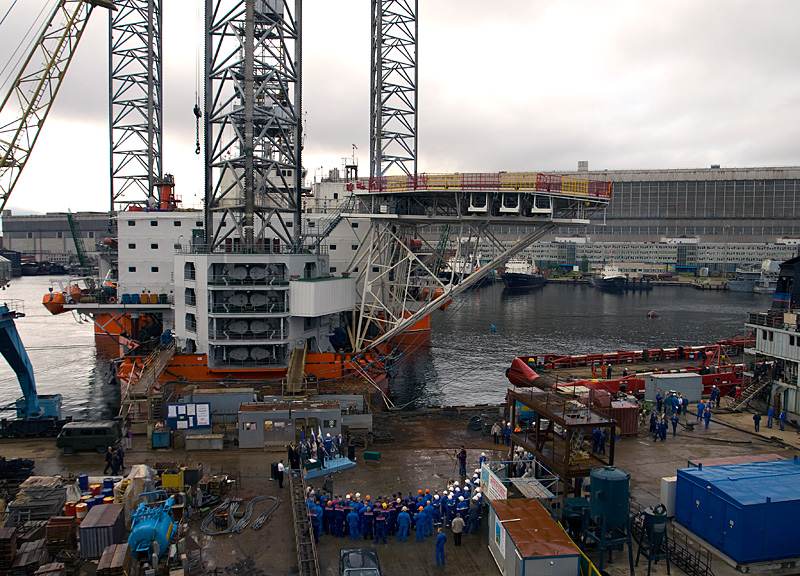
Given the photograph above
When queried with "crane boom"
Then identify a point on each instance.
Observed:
(36, 86)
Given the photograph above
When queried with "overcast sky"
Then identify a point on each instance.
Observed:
(516, 85)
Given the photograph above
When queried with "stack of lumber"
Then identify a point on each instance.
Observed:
(30, 531)
(71, 560)
(115, 561)
(39, 498)
(61, 533)
(53, 569)
(8, 549)
(30, 556)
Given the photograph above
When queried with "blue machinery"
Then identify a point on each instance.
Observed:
(151, 527)
(36, 415)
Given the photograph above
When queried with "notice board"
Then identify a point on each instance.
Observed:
(192, 416)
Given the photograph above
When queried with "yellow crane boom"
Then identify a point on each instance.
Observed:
(36, 86)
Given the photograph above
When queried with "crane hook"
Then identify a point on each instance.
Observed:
(197, 116)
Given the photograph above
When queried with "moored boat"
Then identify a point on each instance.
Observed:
(519, 273)
(610, 279)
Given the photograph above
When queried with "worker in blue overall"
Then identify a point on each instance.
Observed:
(659, 400)
(437, 510)
(328, 524)
(663, 429)
(770, 416)
(339, 520)
(461, 507)
(367, 521)
(782, 420)
(428, 509)
(674, 421)
(316, 525)
(757, 420)
(707, 415)
(328, 444)
(380, 523)
(352, 523)
(441, 538)
(653, 422)
(403, 524)
(419, 524)
(601, 444)
(451, 508)
(391, 519)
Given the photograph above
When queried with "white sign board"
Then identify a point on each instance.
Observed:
(491, 486)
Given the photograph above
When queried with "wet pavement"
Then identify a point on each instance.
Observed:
(421, 456)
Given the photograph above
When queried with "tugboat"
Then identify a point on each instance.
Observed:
(744, 280)
(520, 273)
(610, 279)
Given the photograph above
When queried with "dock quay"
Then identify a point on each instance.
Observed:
(417, 451)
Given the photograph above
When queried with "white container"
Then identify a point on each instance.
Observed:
(668, 487)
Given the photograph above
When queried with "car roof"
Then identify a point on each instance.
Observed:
(90, 424)
(359, 557)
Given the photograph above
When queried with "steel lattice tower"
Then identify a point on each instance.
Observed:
(135, 97)
(393, 87)
(252, 120)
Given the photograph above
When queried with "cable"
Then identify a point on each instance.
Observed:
(237, 527)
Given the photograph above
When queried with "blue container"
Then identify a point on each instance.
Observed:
(134, 298)
(83, 482)
(109, 483)
(107, 492)
(609, 495)
(161, 439)
(126, 298)
(747, 511)
(90, 502)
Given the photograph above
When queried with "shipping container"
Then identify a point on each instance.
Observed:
(524, 539)
(103, 526)
(747, 511)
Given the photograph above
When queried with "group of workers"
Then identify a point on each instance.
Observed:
(770, 419)
(427, 513)
(316, 448)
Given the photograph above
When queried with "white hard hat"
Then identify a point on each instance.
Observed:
(328, 435)
(460, 498)
(455, 483)
(449, 496)
(475, 497)
(358, 494)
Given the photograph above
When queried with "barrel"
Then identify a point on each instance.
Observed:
(69, 508)
(80, 511)
(126, 298)
(95, 489)
(85, 497)
(83, 482)
(107, 492)
(90, 502)
(108, 500)
(153, 298)
(134, 298)
(162, 299)
(108, 483)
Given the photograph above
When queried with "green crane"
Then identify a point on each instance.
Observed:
(83, 259)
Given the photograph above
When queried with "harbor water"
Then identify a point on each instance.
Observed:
(465, 362)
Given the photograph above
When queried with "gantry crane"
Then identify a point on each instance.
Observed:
(36, 86)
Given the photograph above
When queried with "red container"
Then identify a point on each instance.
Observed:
(96, 489)
(69, 508)
(626, 414)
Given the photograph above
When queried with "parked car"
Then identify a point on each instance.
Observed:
(359, 562)
(89, 435)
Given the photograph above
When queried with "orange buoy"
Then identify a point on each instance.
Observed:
(54, 302)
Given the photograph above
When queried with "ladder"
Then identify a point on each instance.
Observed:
(307, 561)
(754, 388)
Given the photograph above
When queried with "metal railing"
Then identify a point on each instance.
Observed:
(499, 181)
(248, 309)
(269, 280)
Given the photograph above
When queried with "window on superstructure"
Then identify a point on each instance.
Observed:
(59, 234)
(131, 268)
(354, 247)
(333, 269)
(131, 246)
(153, 246)
(354, 224)
(153, 268)
(153, 222)
(198, 224)
(332, 247)
(90, 234)
(176, 223)
(131, 222)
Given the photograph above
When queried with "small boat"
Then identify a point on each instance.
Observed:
(744, 280)
(520, 273)
(610, 279)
